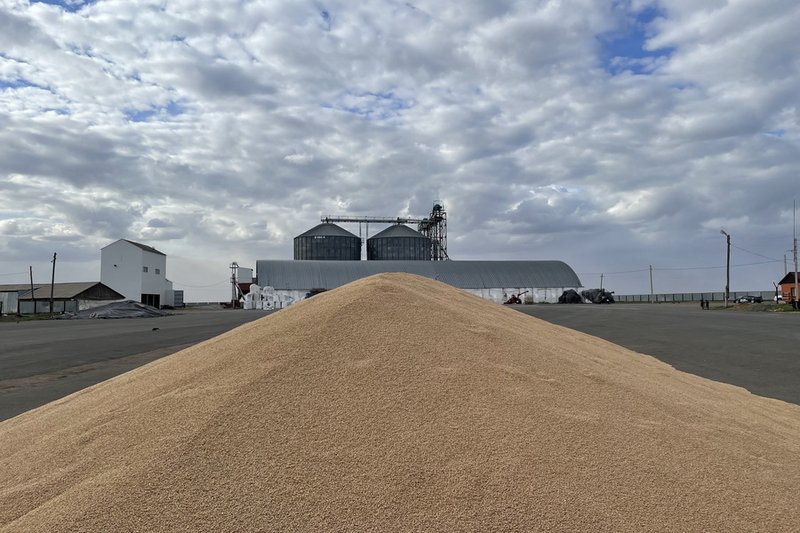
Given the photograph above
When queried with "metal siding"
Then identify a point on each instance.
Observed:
(327, 248)
(290, 275)
(398, 243)
(399, 249)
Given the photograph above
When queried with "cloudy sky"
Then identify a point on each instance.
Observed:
(611, 134)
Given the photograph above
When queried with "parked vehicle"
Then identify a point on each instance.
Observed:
(598, 296)
(748, 299)
(515, 298)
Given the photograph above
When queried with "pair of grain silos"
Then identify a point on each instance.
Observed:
(329, 242)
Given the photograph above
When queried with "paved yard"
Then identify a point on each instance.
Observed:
(759, 351)
(44, 360)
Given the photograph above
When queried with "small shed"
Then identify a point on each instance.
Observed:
(67, 297)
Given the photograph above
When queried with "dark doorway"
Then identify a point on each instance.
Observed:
(152, 299)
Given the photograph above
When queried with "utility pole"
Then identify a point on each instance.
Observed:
(33, 297)
(794, 238)
(727, 268)
(601, 282)
(785, 265)
(652, 300)
(52, 284)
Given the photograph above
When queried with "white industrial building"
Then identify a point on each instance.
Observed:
(137, 271)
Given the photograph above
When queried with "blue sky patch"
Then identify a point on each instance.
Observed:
(67, 5)
(56, 110)
(20, 83)
(326, 19)
(624, 50)
(140, 115)
(371, 105)
(172, 109)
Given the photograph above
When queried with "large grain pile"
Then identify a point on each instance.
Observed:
(398, 403)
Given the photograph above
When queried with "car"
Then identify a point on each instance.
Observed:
(748, 299)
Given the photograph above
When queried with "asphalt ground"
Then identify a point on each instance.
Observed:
(759, 351)
(42, 361)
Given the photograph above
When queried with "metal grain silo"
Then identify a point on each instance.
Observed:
(327, 242)
(398, 243)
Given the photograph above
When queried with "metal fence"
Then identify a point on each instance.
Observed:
(768, 296)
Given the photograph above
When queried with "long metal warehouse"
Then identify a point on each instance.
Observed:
(544, 280)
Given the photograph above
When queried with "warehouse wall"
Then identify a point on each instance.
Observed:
(534, 295)
(8, 302)
(498, 295)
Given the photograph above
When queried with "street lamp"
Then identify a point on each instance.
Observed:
(727, 268)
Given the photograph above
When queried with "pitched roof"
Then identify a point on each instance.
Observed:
(61, 291)
(285, 274)
(788, 278)
(145, 247)
(138, 245)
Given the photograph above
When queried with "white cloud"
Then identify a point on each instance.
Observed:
(218, 130)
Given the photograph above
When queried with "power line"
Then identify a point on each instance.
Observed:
(13, 273)
(754, 253)
(679, 268)
(723, 266)
(610, 273)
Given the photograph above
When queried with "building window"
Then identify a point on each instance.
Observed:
(144, 269)
(158, 271)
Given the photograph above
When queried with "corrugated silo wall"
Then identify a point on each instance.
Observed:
(399, 249)
(327, 248)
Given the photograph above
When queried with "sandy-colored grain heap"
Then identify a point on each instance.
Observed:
(399, 403)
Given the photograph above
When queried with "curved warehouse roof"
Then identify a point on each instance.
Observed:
(301, 275)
